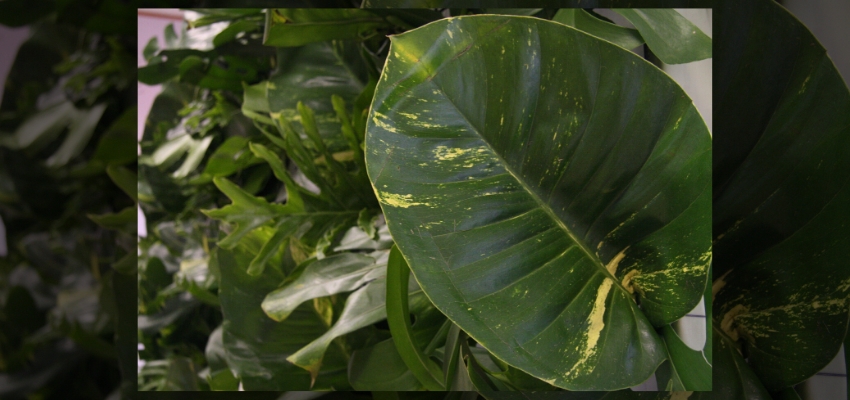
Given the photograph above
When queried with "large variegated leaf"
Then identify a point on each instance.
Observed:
(781, 194)
(541, 183)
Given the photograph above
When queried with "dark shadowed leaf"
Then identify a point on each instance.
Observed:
(380, 367)
(781, 176)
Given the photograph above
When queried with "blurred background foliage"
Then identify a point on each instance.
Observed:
(67, 200)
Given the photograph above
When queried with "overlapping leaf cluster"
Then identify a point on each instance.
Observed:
(299, 276)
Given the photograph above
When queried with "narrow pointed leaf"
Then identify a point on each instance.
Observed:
(398, 317)
(781, 190)
(669, 35)
(45, 125)
(509, 169)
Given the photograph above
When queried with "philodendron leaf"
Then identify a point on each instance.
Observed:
(669, 35)
(536, 191)
(583, 21)
(289, 27)
(781, 190)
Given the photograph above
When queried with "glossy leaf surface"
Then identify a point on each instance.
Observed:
(781, 190)
(669, 35)
(534, 191)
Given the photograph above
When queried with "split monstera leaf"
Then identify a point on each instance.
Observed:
(550, 191)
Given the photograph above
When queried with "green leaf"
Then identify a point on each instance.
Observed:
(163, 190)
(398, 317)
(669, 35)
(291, 27)
(364, 307)
(336, 274)
(220, 378)
(380, 367)
(124, 179)
(181, 375)
(781, 188)
(124, 220)
(246, 212)
(117, 146)
(687, 368)
(583, 21)
(256, 346)
(45, 125)
(232, 156)
(79, 132)
(732, 377)
(573, 181)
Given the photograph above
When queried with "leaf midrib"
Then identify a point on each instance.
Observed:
(544, 206)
